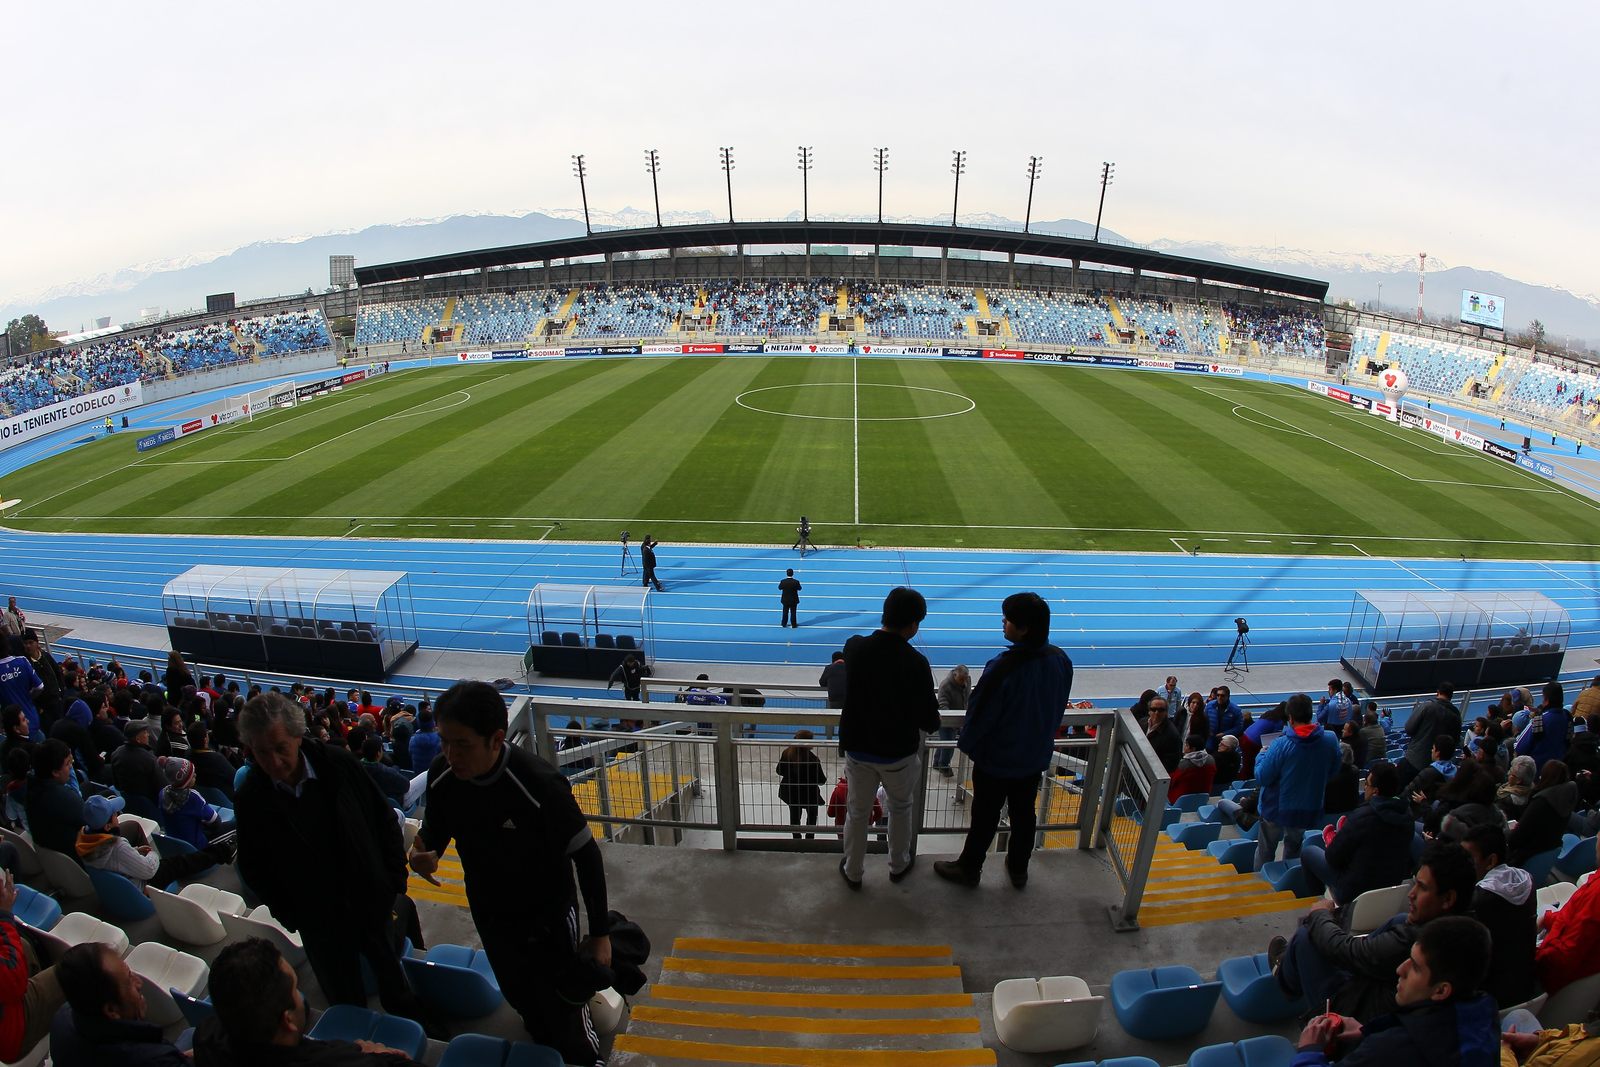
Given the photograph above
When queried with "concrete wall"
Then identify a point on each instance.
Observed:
(239, 374)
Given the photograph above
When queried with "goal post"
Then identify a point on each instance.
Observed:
(262, 401)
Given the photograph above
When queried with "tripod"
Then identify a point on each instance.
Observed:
(1241, 651)
(627, 559)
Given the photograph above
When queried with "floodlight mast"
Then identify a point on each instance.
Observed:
(652, 161)
(579, 169)
(1034, 166)
(1107, 171)
(727, 171)
(880, 163)
(958, 166)
(805, 191)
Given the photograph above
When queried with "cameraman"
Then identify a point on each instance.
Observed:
(803, 540)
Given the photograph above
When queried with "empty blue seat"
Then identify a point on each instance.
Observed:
(35, 909)
(1269, 1050)
(1163, 1004)
(1252, 993)
(1286, 876)
(1195, 836)
(455, 979)
(1541, 864)
(196, 1010)
(1577, 859)
(1213, 813)
(1240, 855)
(345, 1022)
(121, 900)
(478, 1050)
(1116, 1061)
(1191, 801)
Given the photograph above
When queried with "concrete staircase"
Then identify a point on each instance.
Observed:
(1117, 317)
(798, 1005)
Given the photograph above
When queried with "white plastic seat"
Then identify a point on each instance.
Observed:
(1571, 1003)
(150, 827)
(81, 928)
(193, 916)
(605, 1011)
(34, 1056)
(161, 968)
(1045, 1014)
(1555, 895)
(65, 874)
(28, 864)
(260, 923)
(1377, 906)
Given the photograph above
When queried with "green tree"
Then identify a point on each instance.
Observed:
(23, 333)
(1536, 329)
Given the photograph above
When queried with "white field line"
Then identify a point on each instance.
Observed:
(855, 425)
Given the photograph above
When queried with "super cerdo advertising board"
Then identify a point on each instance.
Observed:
(80, 409)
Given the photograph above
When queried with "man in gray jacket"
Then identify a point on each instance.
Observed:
(953, 693)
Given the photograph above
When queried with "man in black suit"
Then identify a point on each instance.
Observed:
(647, 554)
(789, 595)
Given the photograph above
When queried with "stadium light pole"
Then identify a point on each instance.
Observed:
(958, 166)
(880, 163)
(805, 176)
(581, 172)
(1107, 171)
(727, 171)
(652, 161)
(1033, 176)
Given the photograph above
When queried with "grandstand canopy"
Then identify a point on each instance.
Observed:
(904, 235)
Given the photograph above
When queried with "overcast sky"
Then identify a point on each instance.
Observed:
(148, 132)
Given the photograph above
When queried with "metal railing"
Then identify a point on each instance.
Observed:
(706, 776)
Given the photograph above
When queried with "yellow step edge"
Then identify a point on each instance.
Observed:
(857, 1001)
(783, 948)
(1238, 881)
(799, 1024)
(705, 1052)
(1226, 910)
(807, 970)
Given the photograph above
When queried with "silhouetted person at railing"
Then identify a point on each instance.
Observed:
(1009, 733)
(631, 672)
(800, 782)
(889, 703)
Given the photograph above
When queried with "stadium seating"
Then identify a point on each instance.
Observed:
(345, 1022)
(771, 308)
(392, 323)
(631, 311)
(479, 1050)
(908, 311)
(504, 318)
(1045, 1014)
(1164, 1003)
(1049, 318)
(1252, 992)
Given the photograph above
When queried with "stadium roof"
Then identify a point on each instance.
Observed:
(921, 235)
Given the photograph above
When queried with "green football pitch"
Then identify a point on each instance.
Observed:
(874, 451)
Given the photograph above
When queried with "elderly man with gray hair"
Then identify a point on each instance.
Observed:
(320, 845)
(953, 693)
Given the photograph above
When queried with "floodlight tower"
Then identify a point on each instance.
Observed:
(1034, 164)
(958, 167)
(1107, 172)
(727, 171)
(880, 163)
(805, 176)
(1422, 267)
(652, 162)
(581, 172)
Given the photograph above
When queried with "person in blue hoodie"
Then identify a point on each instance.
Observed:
(1009, 732)
(1223, 716)
(1547, 734)
(1440, 1019)
(1293, 776)
(425, 745)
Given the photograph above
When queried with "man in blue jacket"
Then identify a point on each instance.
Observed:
(1293, 775)
(1010, 732)
(1223, 716)
(1440, 1019)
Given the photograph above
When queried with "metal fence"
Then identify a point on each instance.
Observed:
(673, 771)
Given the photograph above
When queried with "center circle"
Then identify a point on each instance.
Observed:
(962, 405)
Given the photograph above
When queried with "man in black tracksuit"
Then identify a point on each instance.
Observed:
(520, 835)
(789, 598)
(647, 553)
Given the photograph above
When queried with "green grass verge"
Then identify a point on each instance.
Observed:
(886, 452)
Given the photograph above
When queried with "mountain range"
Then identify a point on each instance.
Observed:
(295, 264)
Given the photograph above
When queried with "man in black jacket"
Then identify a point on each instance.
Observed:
(134, 769)
(1371, 847)
(789, 599)
(889, 703)
(521, 836)
(320, 845)
(1429, 719)
(103, 1020)
(1324, 962)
